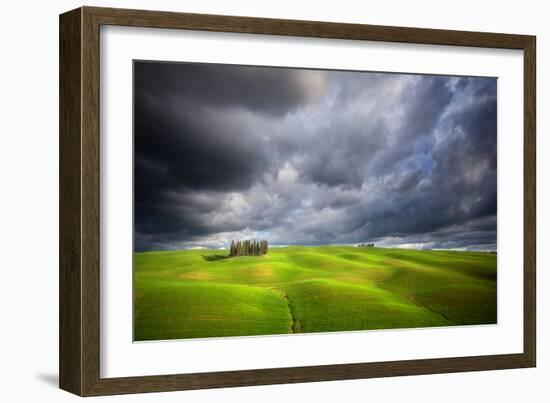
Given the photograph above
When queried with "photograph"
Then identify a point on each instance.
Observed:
(283, 200)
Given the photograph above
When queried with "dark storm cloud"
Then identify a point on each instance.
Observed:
(232, 86)
(312, 157)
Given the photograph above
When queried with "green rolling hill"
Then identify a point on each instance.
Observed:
(204, 293)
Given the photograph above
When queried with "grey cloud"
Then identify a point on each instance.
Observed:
(309, 157)
(275, 91)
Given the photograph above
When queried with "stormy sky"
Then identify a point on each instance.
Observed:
(312, 157)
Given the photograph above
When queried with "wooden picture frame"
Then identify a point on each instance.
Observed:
(79, 279)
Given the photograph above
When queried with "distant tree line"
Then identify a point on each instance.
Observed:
(248, 248)
(365, 245)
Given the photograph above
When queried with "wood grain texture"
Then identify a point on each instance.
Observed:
(317, 29)
(530, 202)
(80, 196)
(90, 201)
(70, 273)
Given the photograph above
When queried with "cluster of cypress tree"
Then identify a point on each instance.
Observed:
(365, 245)
(248, 248)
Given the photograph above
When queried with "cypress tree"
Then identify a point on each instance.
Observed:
(248, 247)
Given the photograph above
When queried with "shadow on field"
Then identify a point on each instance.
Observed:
(213, 258)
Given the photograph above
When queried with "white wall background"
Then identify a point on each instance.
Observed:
(29, 198)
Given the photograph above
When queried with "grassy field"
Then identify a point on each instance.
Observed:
(202, 293)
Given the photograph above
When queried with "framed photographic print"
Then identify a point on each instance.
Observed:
(249, 201)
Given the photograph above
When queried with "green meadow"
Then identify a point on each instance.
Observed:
(204, 293)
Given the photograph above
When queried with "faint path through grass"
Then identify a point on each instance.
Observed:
(295, 325)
